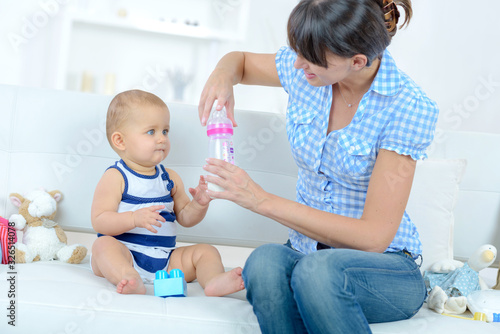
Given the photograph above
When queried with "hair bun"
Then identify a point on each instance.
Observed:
(391, 16)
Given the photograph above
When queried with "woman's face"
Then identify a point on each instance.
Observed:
(338, 69)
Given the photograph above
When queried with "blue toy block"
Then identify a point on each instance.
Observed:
(173, 285)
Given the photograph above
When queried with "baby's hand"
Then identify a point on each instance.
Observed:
(148, 217)
(199, 193)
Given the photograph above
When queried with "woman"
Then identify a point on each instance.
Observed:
(356, 125)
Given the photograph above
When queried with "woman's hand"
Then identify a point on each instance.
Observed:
(238, 186)
(234, 68)
(219, 86)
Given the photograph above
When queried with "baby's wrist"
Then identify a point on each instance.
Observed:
(197, 206)
(132, 219)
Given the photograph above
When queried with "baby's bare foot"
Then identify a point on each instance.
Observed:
(131, 286)
(225, 283)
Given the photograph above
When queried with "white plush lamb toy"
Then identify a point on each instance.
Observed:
(43, 239)
(449, 282)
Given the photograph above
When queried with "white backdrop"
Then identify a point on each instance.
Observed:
(451, 49)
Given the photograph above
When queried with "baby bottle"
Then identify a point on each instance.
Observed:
(220, 144)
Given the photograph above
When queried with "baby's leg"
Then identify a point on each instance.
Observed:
(112, 259)
(203, 262)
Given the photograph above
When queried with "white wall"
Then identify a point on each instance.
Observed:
(39, 51)
(10, 59)
(450, 48)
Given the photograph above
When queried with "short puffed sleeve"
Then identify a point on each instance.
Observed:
(285, 58)
(411, 126)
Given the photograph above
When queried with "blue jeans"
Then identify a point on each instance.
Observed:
(331, 290)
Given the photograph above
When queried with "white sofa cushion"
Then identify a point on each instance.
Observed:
(477, 213)
(56, 297)
(53, 297)
(56, 140)
(64, 298)
(430, 206)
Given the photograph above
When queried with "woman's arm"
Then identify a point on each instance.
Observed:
(104, 216)
(385, 203)
(234, 68)
(189, 212)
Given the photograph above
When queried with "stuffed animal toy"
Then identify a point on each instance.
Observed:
(43, 239)
(497, 286)
(450, 282)
(8, 237)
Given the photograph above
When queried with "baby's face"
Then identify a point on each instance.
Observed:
(146, 135)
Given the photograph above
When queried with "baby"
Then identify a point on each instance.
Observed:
(137, 202)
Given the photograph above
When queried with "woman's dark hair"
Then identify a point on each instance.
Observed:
(344, 27)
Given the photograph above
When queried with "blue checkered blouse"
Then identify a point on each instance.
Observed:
(335, 168)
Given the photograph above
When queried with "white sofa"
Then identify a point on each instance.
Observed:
(55, 139)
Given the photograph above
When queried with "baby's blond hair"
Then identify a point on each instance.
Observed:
(124, 104)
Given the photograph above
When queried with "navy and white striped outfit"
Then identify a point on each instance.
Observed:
(150, 251)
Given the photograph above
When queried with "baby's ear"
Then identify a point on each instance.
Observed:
(16, 199)
(117, 141)
(56, 194)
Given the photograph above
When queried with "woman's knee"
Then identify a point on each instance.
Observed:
(317, 268)
(261, 257)
(268, 264)
(266, 259)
